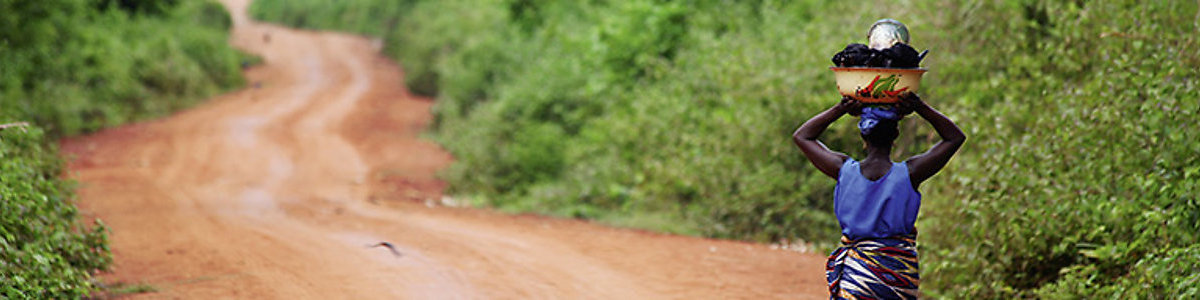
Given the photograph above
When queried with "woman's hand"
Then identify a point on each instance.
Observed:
(909, 102)
(805, 137)
(850, 106)
(923, 166)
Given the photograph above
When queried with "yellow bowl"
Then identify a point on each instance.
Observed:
(877, 85)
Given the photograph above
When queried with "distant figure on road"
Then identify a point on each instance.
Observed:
(876, 200)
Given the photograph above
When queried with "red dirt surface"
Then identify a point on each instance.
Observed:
(275, 192)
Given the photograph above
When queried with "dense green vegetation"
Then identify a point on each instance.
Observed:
(45, 253)
(1079, 178)
(79, 65)
(72, 66)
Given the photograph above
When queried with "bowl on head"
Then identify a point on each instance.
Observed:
(877, 85)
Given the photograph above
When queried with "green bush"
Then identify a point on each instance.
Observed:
(1079, 179)
(44, 253)
(1082, 170)
(73, 66)
(78, 66)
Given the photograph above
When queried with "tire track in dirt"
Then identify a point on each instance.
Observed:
(275, 191)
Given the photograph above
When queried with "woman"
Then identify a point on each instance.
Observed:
(876, 200)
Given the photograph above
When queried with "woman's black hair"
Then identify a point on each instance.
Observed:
(883, 134)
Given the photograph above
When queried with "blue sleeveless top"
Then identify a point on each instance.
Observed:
(880, 208)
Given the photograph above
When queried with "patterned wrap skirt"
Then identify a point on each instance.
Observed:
(874, 269)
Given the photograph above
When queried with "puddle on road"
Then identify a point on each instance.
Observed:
(280, 167)
(243, 131)
(257, 202)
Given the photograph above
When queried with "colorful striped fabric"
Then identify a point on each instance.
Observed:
(874, 269)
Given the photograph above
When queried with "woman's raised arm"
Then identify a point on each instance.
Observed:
(923, 166)
(828, 161)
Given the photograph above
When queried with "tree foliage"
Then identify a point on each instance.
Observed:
(75, 66)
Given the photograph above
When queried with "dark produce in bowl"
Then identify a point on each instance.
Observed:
(899, 55)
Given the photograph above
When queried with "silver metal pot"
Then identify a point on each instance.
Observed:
(885, 33)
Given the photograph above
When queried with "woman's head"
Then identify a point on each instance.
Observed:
(879, 126)
(883, 135)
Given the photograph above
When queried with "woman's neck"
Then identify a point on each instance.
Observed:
(878, 153)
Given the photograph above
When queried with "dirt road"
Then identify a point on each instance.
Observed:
(275, 192)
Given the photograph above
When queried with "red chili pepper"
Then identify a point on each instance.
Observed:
(896, 92)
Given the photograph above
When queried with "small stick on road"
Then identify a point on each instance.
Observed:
(389, 246)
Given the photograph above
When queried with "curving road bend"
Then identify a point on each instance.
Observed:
(276, 191)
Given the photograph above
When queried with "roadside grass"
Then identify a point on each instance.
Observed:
(122, 290)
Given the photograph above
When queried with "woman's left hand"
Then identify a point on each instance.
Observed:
(908, 104)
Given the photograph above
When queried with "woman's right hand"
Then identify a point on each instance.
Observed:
(850, 106)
